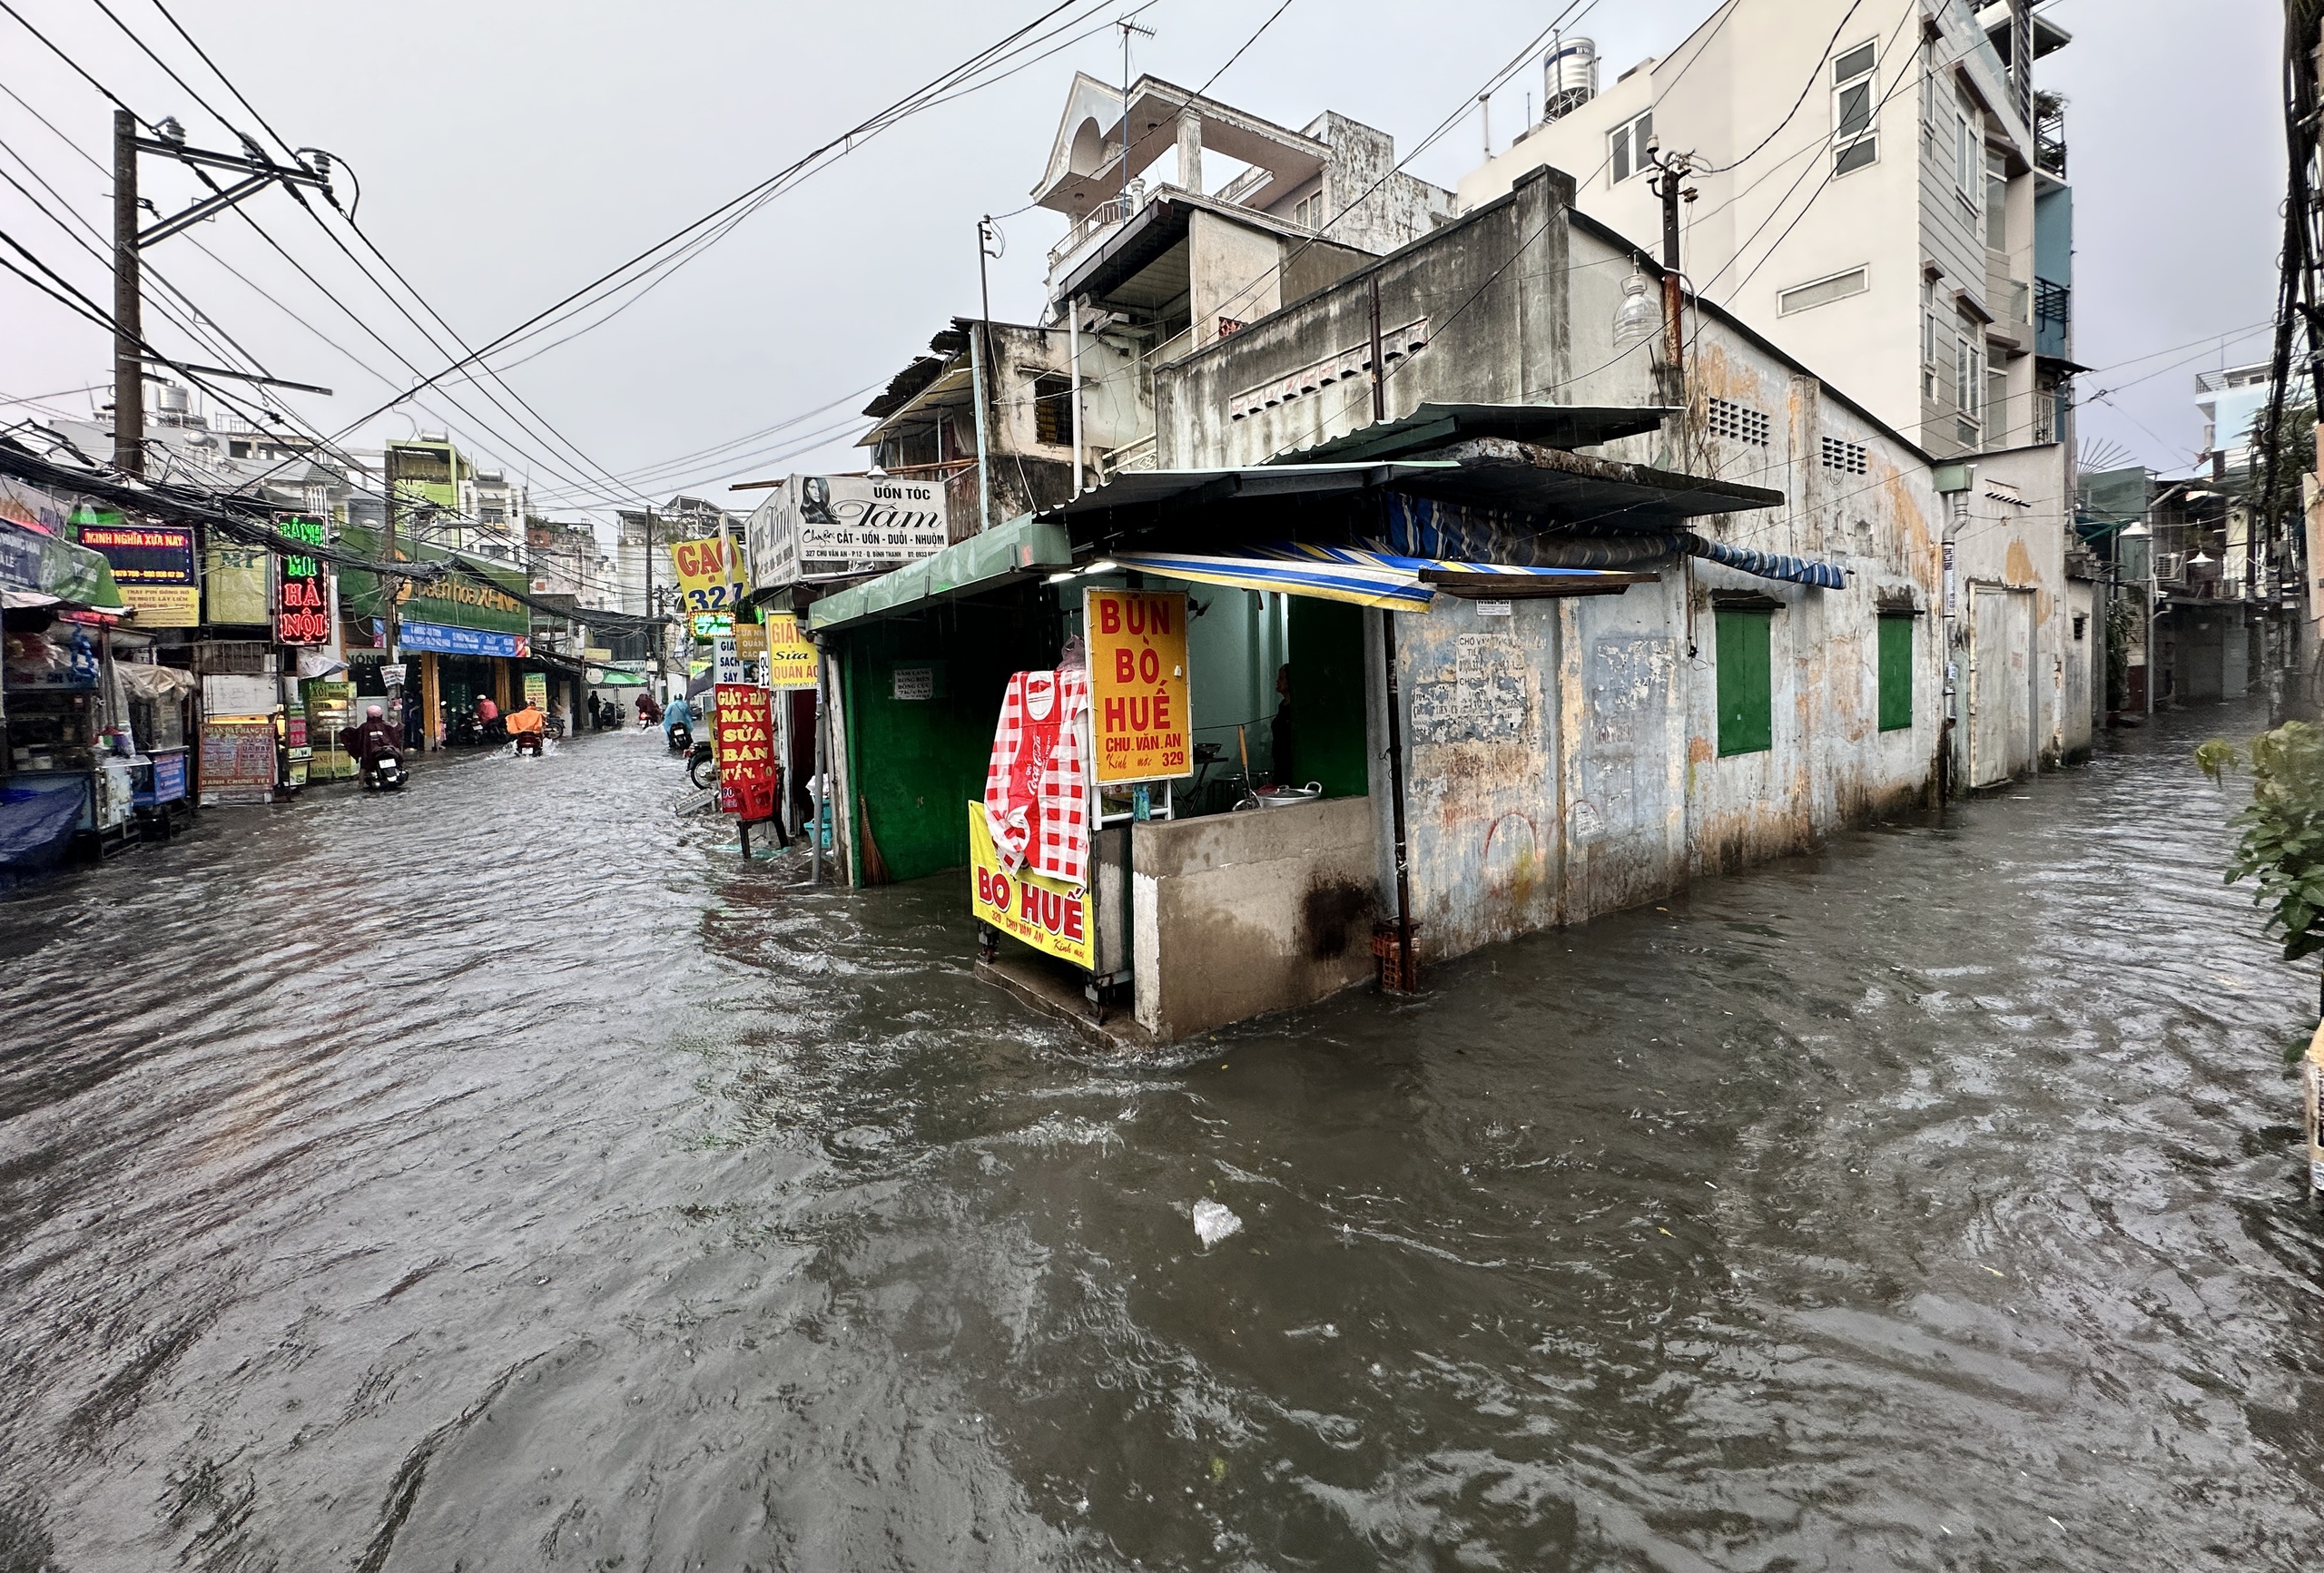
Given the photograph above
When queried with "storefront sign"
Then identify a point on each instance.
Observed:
(744, 733)
(238, 763)
(167, 779)
(790, 655)
(470, 598)
(238, 586)
(153, 565)
(750, 640)
(1138, 683)
(726, 662)
(302, 596)
(711, 574)
(536, 688)
(818, 527)
(712, 624)
(1046, 914)
(449, 640)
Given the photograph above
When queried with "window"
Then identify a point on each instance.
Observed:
(1929, 337)
(1738, 422)
(1856, 111)
(1822, 291)
(1308, 210)
(1968, 154)
(1969, 376)
(1895, 672)
(1746, 638)
(1847, 458)
(1996, 410)
(1053, 410)
(1628, 144)
(1997, 200)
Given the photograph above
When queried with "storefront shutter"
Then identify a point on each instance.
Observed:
(1746, 681)
(1896, 674)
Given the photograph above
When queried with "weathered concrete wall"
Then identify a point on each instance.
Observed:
(2011, 533)
(1238, 914)
(1235, 271)
(1564, 761)
(1374, 205)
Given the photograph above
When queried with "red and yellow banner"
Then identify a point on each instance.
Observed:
(1046, 914)
(744, 736)
(1138, 683)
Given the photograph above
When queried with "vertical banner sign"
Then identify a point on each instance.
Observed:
(743, 732)
(1138, 683)
(726, 662)
(536, 688)
(790, 654)
(302, 612)
(1047, 914)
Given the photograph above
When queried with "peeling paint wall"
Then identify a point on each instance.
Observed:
(1563, 761)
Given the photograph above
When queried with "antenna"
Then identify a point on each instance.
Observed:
(1129, 26)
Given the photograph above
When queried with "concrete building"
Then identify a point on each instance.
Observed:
(1879, 188)
(1626, 640)
(1211, 220)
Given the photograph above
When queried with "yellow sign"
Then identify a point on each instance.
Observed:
(536, 688)
(239, 588)
(790, 658)
(164, 605)
(1047, 914)
(1138, 683)
(711, 579)
(750, 640)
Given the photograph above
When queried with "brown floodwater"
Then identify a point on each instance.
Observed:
(505, 1176)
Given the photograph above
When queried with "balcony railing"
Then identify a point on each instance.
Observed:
(2050, 134)
(1104, 216)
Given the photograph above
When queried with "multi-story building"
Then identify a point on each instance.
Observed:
(1878, 187)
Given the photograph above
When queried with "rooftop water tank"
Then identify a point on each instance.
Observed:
(1569, 77)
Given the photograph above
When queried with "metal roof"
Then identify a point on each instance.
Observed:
(1154, 491)
(1435, 425)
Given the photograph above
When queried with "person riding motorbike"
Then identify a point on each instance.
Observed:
(375, 736)
(525, 726)
(677, 724)
(648, 712)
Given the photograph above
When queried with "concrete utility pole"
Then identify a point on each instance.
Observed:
(979, 363)
(390, 621)
(653, 660)
(128, 313)
(1073, 344)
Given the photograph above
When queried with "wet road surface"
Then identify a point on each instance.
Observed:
(499, 1176)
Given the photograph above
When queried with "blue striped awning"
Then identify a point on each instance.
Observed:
(1367, 557)
(1765, 564)
(1392, 589)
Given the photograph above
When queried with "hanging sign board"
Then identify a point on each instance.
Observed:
(744, 733)
(710, 577)
(712, 624)
(1138, 683)
(153, 566)
(537, 689)
(1047, 914)
(829, 526)
(790, 655)
(750, 640)
(726, 660)
(238, 585)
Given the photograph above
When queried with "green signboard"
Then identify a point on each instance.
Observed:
(476, 596)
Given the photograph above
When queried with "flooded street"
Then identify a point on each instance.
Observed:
(501, 1176)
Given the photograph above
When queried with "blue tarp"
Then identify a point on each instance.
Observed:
(1423, 528)
(36, 824)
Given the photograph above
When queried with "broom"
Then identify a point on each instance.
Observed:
(875, 866)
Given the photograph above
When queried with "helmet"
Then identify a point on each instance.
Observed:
(375, 712)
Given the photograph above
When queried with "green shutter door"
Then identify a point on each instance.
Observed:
(1746, 681)
(1896, 674)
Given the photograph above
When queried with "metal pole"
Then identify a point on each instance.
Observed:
(128, 324)
(1073, 341)
(1674, 340)
(390, 585)
(1379, 371)
(978, 360)
(1407, 973)
(821, 787)
(653, 660)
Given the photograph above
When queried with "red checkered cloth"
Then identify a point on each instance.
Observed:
(1037, 788)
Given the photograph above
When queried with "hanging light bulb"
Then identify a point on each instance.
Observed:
(1637, 319)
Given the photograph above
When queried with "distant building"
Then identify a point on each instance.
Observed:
(1878, 187)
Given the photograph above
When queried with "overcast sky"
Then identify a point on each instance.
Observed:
(509, 151)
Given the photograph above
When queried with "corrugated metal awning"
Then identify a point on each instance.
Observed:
(1024, 546)
(1435, 425)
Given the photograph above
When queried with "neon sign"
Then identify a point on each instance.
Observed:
(303, 607)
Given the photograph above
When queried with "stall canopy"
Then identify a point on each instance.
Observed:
(1019, 549)
(1372, 578)
(44, 564)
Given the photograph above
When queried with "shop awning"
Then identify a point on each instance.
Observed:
(1432, 426)
(1022, 547)
(48, 565)
(1370, 578)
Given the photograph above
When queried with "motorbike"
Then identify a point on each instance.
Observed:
(681, 740)
(383, 770)
(465, 730)
(702, 765)
(529, 743)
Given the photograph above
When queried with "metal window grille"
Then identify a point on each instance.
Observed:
(1847, 458)
(1738, 422)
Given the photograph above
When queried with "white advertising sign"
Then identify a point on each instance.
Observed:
(828, 526)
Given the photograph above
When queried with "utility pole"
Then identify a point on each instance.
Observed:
(1073, 343)
(128, 241)
(1128, 27)
(1379, 371)
(654, 662)
(128, 315)
(1667, 186)
(979, 360)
